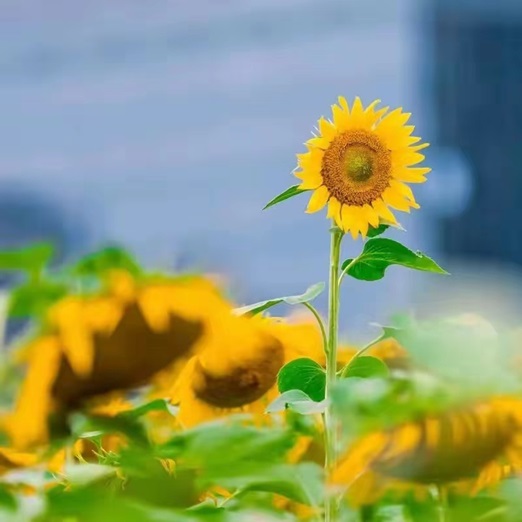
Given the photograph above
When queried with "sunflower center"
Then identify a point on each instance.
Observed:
(356, 167)
(247, 382)
(358, 163)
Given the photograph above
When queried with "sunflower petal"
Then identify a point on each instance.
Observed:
(310, 179)
(347, 217)
(334, 210)
(371, 216)
(343, 104)
(318, 200)
(383, 211)
(404, 189)
(341, 117)
(414, 175)
(393, 198)
(326, 129)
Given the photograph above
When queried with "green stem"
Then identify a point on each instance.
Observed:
(321, 325)
(330, 426)
(441, 498)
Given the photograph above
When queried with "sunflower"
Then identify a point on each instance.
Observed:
(471, 447)
(360, 164)
(95, 345)
(237, 371)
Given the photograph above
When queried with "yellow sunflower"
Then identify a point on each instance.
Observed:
(120, 340)
(360, 164)
(472, 447)
(237, 371)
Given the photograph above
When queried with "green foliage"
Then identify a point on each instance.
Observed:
(31, 260)
(311, 293)
(377, 231)
(297, 401)
(107, 259)
(287, 194)
(303, 374)
(380, 253)
(157, 405)
(33, 298)
(471, 355)
(365, 366)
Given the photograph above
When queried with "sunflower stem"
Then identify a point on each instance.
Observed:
(330, 425)
(440, 495)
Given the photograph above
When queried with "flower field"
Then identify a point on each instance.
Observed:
(133, 396)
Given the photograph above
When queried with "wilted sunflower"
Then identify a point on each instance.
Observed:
(119, 340)
(237, 371)
(359, 164)
(474, 446)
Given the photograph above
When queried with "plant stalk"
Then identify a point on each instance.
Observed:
(330, 424)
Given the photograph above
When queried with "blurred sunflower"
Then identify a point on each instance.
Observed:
(389, 350)
(237, 371)
(472, 447)
(359, 165)
(121, 339)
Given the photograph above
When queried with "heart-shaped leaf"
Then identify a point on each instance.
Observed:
(303, 374)
(380, 253)
(365, 367)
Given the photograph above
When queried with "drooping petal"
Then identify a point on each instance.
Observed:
(383, 211)
(414, 175)
(318, 200)
(395, 199)
(404, 189)
(371, 216)
(334, 210)
(347, 217)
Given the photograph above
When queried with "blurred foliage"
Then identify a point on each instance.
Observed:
(141, 464)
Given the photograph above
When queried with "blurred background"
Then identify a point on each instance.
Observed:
(166, 126)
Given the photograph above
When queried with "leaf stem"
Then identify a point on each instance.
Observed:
(345, 270)
(321, 324)
(330, 425)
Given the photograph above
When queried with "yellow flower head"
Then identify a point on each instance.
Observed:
(237, 370)
(359, 164)
(473, 445)
(388, 350)
(116, 341)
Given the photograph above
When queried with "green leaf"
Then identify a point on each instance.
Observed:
(287, 194)
(365, 367)
(8, 501)
(104, 260)
(311, 293)
(156, 405)
(301, 482)
(33, 299)
(303, 374)
(97, 425)
(298, 401)
(380, 253)
(83, 474)
(377, 231)
(212, 446)
(30, 259)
